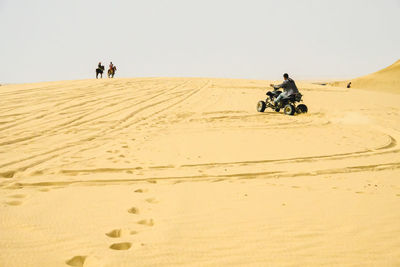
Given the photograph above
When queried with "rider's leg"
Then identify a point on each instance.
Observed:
(283, 94)
(278, 99)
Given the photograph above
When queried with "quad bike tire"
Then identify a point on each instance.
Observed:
(301, 108)
(289, 109)
(261, 105)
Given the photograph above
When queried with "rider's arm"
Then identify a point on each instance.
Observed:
(282, 85)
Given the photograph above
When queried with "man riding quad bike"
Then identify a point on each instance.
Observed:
(286, 99)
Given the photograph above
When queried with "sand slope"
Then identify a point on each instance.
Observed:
(386, 80)
(179, 171)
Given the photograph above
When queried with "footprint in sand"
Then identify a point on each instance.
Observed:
(17, 196)
(146, 222)
(8, 174)
(116, 233)
(151, 200)
(15, 186)
(36, 173)
(121, 246)
(140, 190)
(14, 203)
(44, 189)
(133, 210)
(76, 261)
(57, 187)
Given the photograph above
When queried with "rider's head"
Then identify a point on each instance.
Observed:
(285, 76)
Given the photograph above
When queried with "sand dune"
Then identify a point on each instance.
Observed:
(386, 80)
(179, 171)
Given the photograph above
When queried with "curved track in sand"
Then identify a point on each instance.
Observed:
(54, 129)
(127, 147)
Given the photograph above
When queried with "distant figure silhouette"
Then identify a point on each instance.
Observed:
(111, 71)
(349, 85)
(99, 70)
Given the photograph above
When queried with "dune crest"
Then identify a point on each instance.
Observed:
(385, 80)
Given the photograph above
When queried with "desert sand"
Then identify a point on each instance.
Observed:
(184, 171)
(387, 79)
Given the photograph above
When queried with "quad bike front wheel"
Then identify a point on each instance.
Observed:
(289, 109)
(301, 109)
(261, 105)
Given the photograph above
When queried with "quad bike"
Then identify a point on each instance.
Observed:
(287, 103)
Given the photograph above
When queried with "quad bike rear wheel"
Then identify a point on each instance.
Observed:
(289, 109)
(301, 109)
(261, 105)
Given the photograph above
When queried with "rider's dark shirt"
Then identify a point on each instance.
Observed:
(289, 86)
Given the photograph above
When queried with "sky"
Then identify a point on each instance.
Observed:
(48, 40)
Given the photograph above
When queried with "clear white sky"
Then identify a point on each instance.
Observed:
(45, 40)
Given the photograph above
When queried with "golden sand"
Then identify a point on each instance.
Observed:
(385, 80)
(179, 171)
